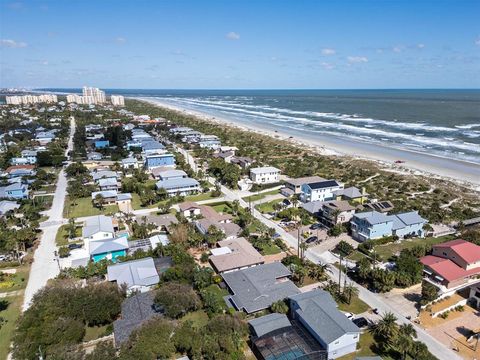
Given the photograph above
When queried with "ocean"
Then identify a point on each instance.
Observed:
(444, 123)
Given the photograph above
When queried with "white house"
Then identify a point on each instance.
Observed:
(320, 190)
(98, 228)
(265, 175)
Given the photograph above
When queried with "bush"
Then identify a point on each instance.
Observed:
(204, 257)
(177, 299)
(63, 252)
(344, 248)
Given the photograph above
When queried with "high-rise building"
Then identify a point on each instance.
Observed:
(31, 99)
(95, 95)
(117, 100)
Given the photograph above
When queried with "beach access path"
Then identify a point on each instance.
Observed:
(45, 266)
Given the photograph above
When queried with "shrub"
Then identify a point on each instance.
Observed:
(63, 252)
(177, 299)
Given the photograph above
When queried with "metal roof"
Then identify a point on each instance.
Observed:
(97, 247)
(177, 183)
(268, 323)
(140, 272)
(100, 223)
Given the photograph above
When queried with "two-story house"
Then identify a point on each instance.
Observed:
(320, 190)
(265, 175)
(158, 160)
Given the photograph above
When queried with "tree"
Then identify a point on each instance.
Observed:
(350, 291)
(344, 248)
(279, 307)
(214, 235)
(386, 330)
(429, 292)
(177, 299)
(202, 277)
(100, 201)
(103, 351)
(212, 303)
(72, 228)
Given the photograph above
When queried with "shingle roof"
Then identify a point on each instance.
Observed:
(97, 224)
(140, 272)
(268, 323)
(313, 207)
(242, 254)
(136, 310)
(350, 193)
(319, 311)
(258, 287)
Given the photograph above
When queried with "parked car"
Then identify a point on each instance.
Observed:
(315, 226)
(361, 322)
(311, 239)
(74, 246)
(348, 315)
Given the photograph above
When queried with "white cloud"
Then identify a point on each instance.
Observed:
(477, 41)
(12, 43)
(328, 52)
(327, 66)
(45, 62)
(420, 46)
(398, 48)
(120, 40)
(233, 36)
(357, 59)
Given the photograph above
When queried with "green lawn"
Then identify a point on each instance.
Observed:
(267, 207)
(200, 197)
(94, 332)
(85, 207)
(270, 249)
(222, 207)
(137, 205)
(261, 195)
(356, 306)
(15, 281)
(10, 316)
(198, 318)
(387, 250)
(61, 239)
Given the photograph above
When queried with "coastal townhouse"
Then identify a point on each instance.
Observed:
(209, 142)
(452, 264)
(265, 175)
(374, 225)
(294, 185)
(319, 190)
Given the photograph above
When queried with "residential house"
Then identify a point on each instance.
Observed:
(19, 161)
(294, 186)
(374, 225)
(181, 186)
(453, 263)
(257, 288)
(93, 155)
(320, 190)
(124, 202)
(110, 183)
(45, 137)
(157, 160)
(130, 163)
(99, 227)
(243, 161)
(231, 230)
(110, 249)
(265, 175)
(14, 191)
(234, 254)
(163, 222)
(209, 142)
(136, 275)
(7, 206)
(30, 155)
(190, 209)
(352, 194)
(317, 311)
(20, 171)
(136, 310)
(109, 196)
(103, 174)
(337, 212)
(226, 156)
(474, 296)
(152, 147)
(171, 174)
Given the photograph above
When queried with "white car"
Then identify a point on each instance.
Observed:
(349, 315)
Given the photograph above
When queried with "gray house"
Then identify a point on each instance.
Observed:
(257, 288)
(317, 312)
(137, 275)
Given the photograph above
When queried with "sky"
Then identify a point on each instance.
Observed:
(262, 44)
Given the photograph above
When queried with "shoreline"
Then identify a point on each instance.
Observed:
(416, 163)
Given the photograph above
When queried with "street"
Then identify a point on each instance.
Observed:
(45, 266)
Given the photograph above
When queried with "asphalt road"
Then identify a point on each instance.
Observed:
(45, 266)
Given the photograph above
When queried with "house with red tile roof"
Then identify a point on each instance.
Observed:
(452, 263)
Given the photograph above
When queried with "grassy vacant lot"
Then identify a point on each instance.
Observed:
(10, 316)
(387, 250)
(356, 306)
(61, 239)
(260, 196)
(200, 197)
(84, 207)
(15, 281)
(267, 207)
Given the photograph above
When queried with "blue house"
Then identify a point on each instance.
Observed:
(14, 191)
(157, 160)
(109, 249)
(101, 144)
(374, 225)
(179, 186)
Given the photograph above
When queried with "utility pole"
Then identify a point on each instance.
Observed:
(340, 276)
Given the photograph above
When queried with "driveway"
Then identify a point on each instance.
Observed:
(405, 300)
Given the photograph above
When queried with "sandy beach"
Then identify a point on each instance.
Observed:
(415, 163)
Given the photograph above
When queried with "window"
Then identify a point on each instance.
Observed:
(355, 336)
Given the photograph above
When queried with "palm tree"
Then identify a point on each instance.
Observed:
(419, 350)
(408, 330)
(404, 345)
(350, 290)
(386, 330)
(295, 199)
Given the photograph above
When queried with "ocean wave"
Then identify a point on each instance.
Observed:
(467, 126)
